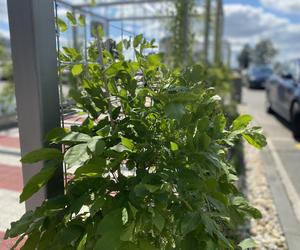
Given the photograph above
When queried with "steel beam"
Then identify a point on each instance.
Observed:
(82, 10)
(32, 32)
(114, 3)
(155, 17)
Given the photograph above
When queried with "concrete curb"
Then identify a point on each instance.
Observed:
(282, 191)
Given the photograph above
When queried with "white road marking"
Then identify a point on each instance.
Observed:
(290, 189)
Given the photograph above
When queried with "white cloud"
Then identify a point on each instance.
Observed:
(245, 20)
(249, 24)
(4, 33)
(288, 6)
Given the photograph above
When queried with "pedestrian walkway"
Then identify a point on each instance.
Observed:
(11, 179)
(11, 182)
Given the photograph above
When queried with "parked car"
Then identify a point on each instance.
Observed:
(283, 94)
(257, 75)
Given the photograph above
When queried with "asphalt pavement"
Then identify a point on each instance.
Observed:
(282, 160)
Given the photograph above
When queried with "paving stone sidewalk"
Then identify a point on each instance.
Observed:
(11, 183)
(11, 178)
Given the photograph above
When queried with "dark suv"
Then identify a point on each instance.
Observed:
(283, 94)
(257, 75)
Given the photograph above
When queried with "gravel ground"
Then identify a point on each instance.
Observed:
(267, 231)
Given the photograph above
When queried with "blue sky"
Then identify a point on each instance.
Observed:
(246, 21)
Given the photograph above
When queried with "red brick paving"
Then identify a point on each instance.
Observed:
(7, 244)
(8, 141)
(11, 178)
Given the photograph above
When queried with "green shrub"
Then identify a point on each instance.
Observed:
(7, 99)
(150, 160)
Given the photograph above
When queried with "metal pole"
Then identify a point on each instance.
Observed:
(218, 33)
(206, 30)
(32, 32)
(74, 32)
(185, 30)
(114, 3)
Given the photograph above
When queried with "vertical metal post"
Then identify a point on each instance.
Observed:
(32, 32)
(206, 30)
(74, 32)
(218, 33)
(228, 55)
(185, 30)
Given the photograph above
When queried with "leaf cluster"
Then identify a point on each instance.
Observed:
(150, 161)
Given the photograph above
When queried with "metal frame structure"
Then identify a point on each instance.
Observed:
(32, 29)
(32, 34)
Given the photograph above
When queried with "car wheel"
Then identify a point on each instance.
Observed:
(296, 120)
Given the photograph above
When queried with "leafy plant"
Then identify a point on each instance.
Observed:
(150, 160)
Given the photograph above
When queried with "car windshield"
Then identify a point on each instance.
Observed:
(262, 70)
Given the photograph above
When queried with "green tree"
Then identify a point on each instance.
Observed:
(245, 56)
(264, 52)
(5, 61)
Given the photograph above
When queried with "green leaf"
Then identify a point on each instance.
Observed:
(243, 206)
(127, 234)
(91, 169)
(56, 134)
(137, 40)
(97, 205)
(81, 244)
(32, 241)
(175, 110)
(154, 59)
(247, 243)
(76, 155)
(19, 227)
(38, 181)
(72, 53)
(110, 229)
(194, 74)
(174, 146)
(96, 145)
(44, 154)
(75, 137)
(126, 43)
(241, 122)
(144, 245)
(128, 143)
(77, 69)
(61, 25)
(158, 221)
(111, 222)
(69, 234)
(151, 188)
(98, 31)
(71, 18)
(82, 20)
(108, 242)
(255, 137)
(190, 222)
